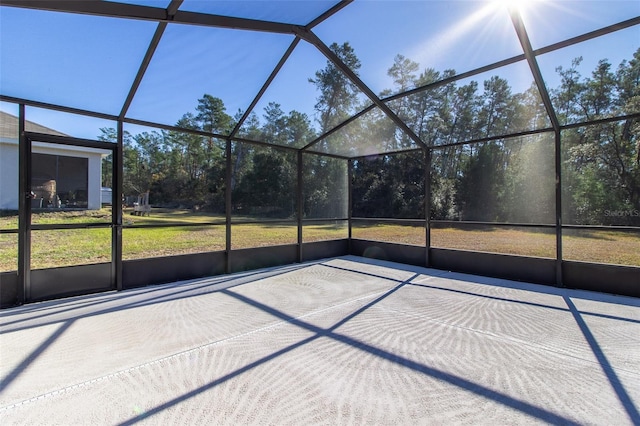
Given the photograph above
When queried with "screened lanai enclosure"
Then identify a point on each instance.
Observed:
(188, 138)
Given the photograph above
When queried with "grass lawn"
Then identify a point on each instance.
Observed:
(53, 248)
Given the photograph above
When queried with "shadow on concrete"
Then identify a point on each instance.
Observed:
(478, 389)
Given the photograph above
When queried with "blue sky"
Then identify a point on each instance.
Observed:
(89, 62)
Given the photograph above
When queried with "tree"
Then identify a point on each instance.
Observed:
(601, 162)
(338, 95)
(268, 187)
(212, 115)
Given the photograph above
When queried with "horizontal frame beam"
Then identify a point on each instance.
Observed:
(146, 13)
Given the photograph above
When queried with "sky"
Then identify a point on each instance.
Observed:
(90, 62)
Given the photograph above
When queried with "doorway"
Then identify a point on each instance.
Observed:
(67, 231)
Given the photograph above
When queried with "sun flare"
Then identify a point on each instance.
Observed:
(517, 5)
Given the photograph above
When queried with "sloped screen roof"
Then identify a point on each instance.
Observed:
(348, 78)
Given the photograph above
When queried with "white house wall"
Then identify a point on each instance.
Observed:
(9, 170)
(8, 176)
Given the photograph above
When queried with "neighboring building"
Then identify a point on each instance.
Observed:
(63, 176)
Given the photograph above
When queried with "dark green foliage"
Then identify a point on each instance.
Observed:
(504, 180)
(268, 189)
(389, 186)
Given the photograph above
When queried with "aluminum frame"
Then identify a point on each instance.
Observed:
(172, 14)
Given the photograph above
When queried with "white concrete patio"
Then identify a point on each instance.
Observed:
(340, 341)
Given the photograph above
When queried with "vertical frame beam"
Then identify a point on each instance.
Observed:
(227, 204)
(558, 169)
(349, 198)
(24, 210)
(116, 210)
(427, 204)
(525, 42)
(299, 207)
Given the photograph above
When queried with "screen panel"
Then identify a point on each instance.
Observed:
(220, 73)
(264, 182)
(409, 233)
(397, 40)
(50, 122)
(601, 174)
(549, 22)
(612, 246)
(70, 247)
(293, 12)
(389, 186)
(325, 230)
(594, 79)
(141, 243)
(508, 180)
(521, 241)
(325, 187)
(8, 252)
(172, 177)
(370, 134)
(81, 61)
(495, 103)
(250, 235)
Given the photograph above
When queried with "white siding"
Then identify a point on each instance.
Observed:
(9, 170)
(8, 176)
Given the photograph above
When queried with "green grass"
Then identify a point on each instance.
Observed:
(615, 247)
(54, 248)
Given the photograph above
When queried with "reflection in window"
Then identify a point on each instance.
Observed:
(59, 181)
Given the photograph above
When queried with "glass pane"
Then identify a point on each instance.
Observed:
(219, 74)
(594, 79)
(68, 247)
(325, 187)
(81, 61)
(325, 230)
(549, 22)
(373, 133)
(64, 124)
(389, 186)
(140, 243)
(410, 233)
(70, 184)
(172, 177)
(263, 235)
(511, 180)
(494, 103)
(429, 35)
(309, 87)
(601, 174)
(293, 12)
(8, 165)
(529, 241)
(264, 183)
(8, 251)
(602, 246)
